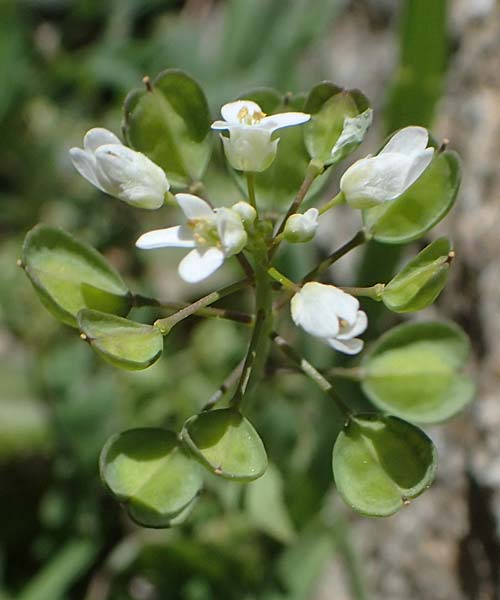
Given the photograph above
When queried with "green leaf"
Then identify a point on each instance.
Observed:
(381, 462)
(414, 371)
(277, 186)
(69, 275)
(422, 279)
(340, 119)
(170, 123)
(121, 342)
(226, 444)
(421, 207)
(266, 506)
(151, 473)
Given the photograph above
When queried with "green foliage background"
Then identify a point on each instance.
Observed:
(66, 66)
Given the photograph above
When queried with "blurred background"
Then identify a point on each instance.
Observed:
(66, 66)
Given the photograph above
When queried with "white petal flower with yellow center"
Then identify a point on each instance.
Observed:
(120, 171)
(212, 234)
(249, 146)
(330, 314)
(377, 179)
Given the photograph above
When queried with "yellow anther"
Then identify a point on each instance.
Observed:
(242, 113)
(244, 116)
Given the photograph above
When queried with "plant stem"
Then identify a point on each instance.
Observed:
(358, 239)
(166, 324)
(251, 189)
(311, 372)
(245, 265)
(284, 281)
(230, 380)
(335, 201)
(258, 349)
(216, 313)
(374, 292)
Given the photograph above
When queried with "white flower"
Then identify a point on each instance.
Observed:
(120, 171)
(330, 314)
(301, 228)
(249, 146)
(213, 235)
(377, 179)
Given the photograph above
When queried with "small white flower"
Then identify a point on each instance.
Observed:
(301, 228)
(249, 146)
(120, 171)
(212, 234)
(377, 179)
(330, 314)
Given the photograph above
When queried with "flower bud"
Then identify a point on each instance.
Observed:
(246, 211)
(377, 179)
(120, 171)
(300, 228)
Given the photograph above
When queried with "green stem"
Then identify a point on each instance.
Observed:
(358, 239)
(374, 292)
(166, 324)
(216, 313)
(245, 265)
(251, 189)
(283, 280)
(230, 380)
(311, 372)
(335, 201)
(258, 349)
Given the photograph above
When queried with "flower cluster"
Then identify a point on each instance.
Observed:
(212, 235)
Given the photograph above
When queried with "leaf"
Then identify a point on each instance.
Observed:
(414, 372)
(150, 472)
(170, 123)
(69, 275)
(226, 444)
(421, 281)
(340, 119)
(266, 506)
(381, 462)
(421, 207)
(121, 342)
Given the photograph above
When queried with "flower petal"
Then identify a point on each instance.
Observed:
(98, 136)
(287, 119)
(171, 237)
(231, 110)
(371, 181)
(85, 163)
(418, 166)
(200, 263)
(351, 331)
(221, 125)
(194, 207)
(231, 232)
(409, 141)
(314, 309)
(353, 346)
(250, 149)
